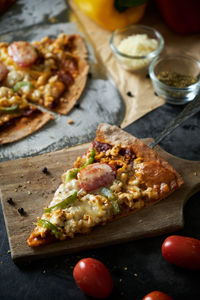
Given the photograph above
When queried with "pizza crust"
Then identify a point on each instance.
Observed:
(20, 127)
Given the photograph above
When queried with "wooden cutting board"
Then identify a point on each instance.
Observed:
(24, 181)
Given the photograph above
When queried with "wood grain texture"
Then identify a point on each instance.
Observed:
(30, 188)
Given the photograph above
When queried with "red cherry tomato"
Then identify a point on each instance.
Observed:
(93, 278)
(182, 251)
(157, 295)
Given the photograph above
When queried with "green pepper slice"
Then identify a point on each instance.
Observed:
(9, 110)
(63, 204)
(90, 159)
(49, 225)
(73, 173)
(20, 84)
(108, 194)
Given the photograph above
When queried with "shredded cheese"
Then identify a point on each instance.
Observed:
(137, 45)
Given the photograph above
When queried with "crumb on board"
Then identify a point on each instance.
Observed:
(70, 122)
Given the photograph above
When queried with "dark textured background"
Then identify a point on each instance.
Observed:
(137, 267)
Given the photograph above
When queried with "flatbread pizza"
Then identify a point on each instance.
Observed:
(50, 73)
(117, 176)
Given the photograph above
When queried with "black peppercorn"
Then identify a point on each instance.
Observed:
(10, 201)
(45, 170)
(21, 210)
(77, 105)
(129, 94)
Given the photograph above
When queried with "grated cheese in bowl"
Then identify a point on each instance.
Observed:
(135, 46)
(138, 45)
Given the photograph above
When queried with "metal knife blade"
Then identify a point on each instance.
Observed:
(190, 110)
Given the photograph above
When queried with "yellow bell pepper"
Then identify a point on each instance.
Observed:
(105, 14)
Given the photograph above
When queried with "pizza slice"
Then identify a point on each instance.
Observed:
(118, 175)
(50, 72)
(18, 118)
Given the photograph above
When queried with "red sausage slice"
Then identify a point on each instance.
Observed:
(95, 176)
(3, 71)
(23, 53)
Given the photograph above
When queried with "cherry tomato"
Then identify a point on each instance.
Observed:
(182, 251)
(93, 278)
(157, 295)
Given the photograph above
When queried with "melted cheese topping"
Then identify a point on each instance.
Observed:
(87, 211)
(94, 208)
(46, 86)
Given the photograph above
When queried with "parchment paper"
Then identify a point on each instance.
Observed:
(144, 99)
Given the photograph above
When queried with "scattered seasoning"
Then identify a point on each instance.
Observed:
(155, 94)
(29, 193)
(45, 170)
(21, 210)
(147, 76)
(77, 105)
(176, 80)
(89, 75)
(10, 201)
(129, 94)
(70, 122)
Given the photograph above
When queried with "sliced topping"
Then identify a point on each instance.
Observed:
(63, 204)
(50, 226)
(71, 174)
(111, 198)
(3, 72)
(66, 77)
(23, 53)
(95, 176)
(101, 147)
(10, 109)
(21, 84)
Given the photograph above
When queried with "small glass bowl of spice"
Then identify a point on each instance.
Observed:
(135, 46)
(176, 78)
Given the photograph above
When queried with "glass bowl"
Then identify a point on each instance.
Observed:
(141, 53)
(176, 70)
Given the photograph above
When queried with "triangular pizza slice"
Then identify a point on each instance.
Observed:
(118, 175)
